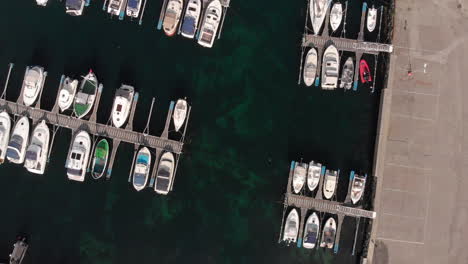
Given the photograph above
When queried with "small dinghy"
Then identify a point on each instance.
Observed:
(38, 149)
(330, 182)
(192, 15)
(67, 93)
(371, 18)
(172, 16)
(122, 104)
(330, 65)
(336, 15)
(310, 67)
(86, 95)
(78, 156)
(19, 141)
(313, 175)
(142, 169)
(133, 8)
(318, 11)
(291, 227)
(165, 174)
(347, 74)
(32, 84)
(357, 187)
(299, 176)
(101, 155)
(311, 231)
(328, 234)
(5, 127)
(364, 71)
(210, 24)
(180, 113)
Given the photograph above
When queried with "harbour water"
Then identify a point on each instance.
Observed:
(249, 120)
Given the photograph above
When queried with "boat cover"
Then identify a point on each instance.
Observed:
(162, 184)
(188, 27)
(16, 142)
(139, 179)
(311, 238)
(133, 3)
(12, 153)
(31, 155)
(74, 4)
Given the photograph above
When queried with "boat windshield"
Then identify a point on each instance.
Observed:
(31, 155)
(13, 153)
(16, 142)
(162, 184)
(74, 4)
(164, 171)
(74, 172)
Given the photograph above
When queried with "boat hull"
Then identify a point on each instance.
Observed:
(210, 24)
(310, 67)
(311, 231)
(40, 137)
(328, 233)
(291, 228)
(5, 127)
(164, 174)
(313, 175)
(100, 159)
(336, 16)
(86, 95)
(371, 19)
(357, 188)
(329, 185)
(78, 156)
(299, 177)
(347, 74)
(67, 94)
(330, 65)
(32, 84)
(172, 17)
(133, 10)
(191, 19)
(318, 10)
(18, 141)
(142, 169)
(180, 113)
(364, 72)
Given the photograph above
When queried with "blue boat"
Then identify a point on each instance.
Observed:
(191, 18)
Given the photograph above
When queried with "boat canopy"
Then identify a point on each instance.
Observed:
(74, 4)
(13, 153)
(133, 3)
(31, 155)
(188, 27)
(139, 179)
(311, 237)
(162, 184)
(16, 142)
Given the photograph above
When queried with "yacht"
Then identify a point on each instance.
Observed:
(318, 11)
(371, 18)
(5, 127)
(100, 158)
(347, 74)
(311, 231)
(364, 71)
(330, 182)
(165, 173)
(19, 140)
(142, 169)
(19, 250)
(67, 93)
(32, 84)
(313, 175)
(357, 187)
(328, 233)
(37, 152)
(180, 113)
(299, 176)
(78, 155)
(310, 67)
(330, 64)
(74, 7)
(133, 8)
(172, 16)
(122, 105)
(86, 95)
(192, 15)
(210, 24)
(291, 227)
(116, 7)
(41, 2)
(336, 15)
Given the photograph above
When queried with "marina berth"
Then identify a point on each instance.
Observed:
(311, 231)
(165, 173)
(357, 187)
(329, 233)
(142, 169)
(38, 149)
(310, 67)
(330, 64)
(191, 18)
(330, 183)
(291, 228)
(336, 16)
(313, 175)
(172, 16)
(180, 113)
(318, 10)
(299, 177)
(74, 7)
(210, 24)
(364, 72)
(32, 84)
(41, 2)
(5, 127)
(116, 7)
(18, 141)
(78, 155)
(67, 93)
(122, 104)
(347, 74)
(86, 95)
(100, 158)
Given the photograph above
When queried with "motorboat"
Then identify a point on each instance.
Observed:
(310, 67)
(371, 18)
(32, 84)
(364, 71)
(291, 227)
(330, 182)
(67, 93)
(172, 16)
(318, 11)
(191, 18)
(38, 149)
(165, 174)
(86, 95)
(336, 15)
(74, 7)
(357, 187)
(347, 74)
(116, 7)
(122, 105)
(210, 24)
(299, 176)
(19, 250)
(78, 156)
(313, 175)
(18, 141)
(133, 8)
(330, 67)
(180, 113)
(5, 127)
(42, 2)
(100, 158)
(311, 231)
(142, 169)
(328, 233)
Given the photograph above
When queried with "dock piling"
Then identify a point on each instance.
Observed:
(165, 132)
(115, 146)
(96, 104)
(140, 22)
(38, 102)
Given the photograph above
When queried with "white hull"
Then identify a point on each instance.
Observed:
(87, 99)
(328, 233)
(180, 113)
(172, 16)
(210, 24)
(357, 188)
(41, 2)
(133, 8)
(37, 152)
(18, 141)
(310, 67)
(5, 127)
(32, 84)
(318, 10)
(74, 9)
(191, 18)
(142, 169)
(371, 19)
(67, 93)
(122, 105)
(78, 156)
(313, 175)
(329, 185)
(165, 174)
(311, 231)
(347, 74)
(336, 15)
(330, 68)
(299, 177)
(115, 7)
(291, 227)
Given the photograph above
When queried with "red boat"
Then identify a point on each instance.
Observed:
(364, 71)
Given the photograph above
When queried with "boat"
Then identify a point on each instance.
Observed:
(180, 113)
(357, 187)
(38, 149)
(74, 7)
(67, 93)
(42, 2)
(318, 11)
(165, 173)
(78, 156)
(133, 8)
(19, 250)
(364, 71)
(371, 18)
(100, 158)
(347, 74)
(191, 17)
(122, 105)
(299, 176)
(5, 127)
(172, 16)
(291, 227)
(311, 231)
(313, 175)
(18, 141)
(210, 24)
(328, 233)
(331, 61)
(32, 84)
(330, 182)
(310, 67)
(116, 7)
(86, 95)
(336, 15)
(142, 169)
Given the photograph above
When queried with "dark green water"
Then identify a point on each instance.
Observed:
(249, 120)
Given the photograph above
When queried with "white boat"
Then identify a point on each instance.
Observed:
(357, 187)
(291, 227)
(32, 84)
(18, 141)
(122, 105)
(311, 231)
(180, 113)
(347, 74)
(191, 18)
(318, 11)
(210, 24)
(299, 176)
(86, 95)
(328, 233)
(172, 16)
(67, 93)
(310, 67)
(78, 156)
(133, 8)
(5, 127)
(74, 7)
(313, 175)
(336, 15)
(330, 182)
(371, 18)
(38, 149)
(142, 169)
(330, 65)
(165, 174)
(42, 2)
(115, 7)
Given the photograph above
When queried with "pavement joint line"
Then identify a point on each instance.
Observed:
(418, 93)
(400, 241)
(405, 216)
(407, 166)
(429, 187)
(403, 191)
(413, 117)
